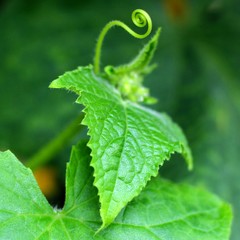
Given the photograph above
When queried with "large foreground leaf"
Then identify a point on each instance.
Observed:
(25, 213)
(128, 141)
(162, 211)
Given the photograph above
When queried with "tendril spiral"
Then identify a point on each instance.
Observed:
(139, 17)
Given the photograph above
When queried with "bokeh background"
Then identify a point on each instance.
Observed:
(197, 80)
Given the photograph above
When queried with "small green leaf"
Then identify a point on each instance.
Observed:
(128, 141)
(81, 196)
(141, 62)
(25, 213)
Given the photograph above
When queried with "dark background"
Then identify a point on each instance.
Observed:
(196, 82)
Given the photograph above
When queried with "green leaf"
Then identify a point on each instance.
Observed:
(165, 210)
(21, 201)
(128, 141)
(141, 62)
(162, 211)
(26, 214)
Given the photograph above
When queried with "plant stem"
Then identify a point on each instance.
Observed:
(54, 146)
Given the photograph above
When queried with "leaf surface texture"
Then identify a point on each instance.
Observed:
(128, 141)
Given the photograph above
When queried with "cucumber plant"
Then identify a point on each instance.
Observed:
(113, 190)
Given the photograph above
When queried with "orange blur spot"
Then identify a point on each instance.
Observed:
(47, 180)
(176, 9)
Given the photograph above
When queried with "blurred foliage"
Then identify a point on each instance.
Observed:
(196, 82)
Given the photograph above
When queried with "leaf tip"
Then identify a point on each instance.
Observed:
(99, 230)
(187, 155)
(54, 84)
(157, 34)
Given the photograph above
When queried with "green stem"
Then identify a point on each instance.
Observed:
(139, 17)
(54, 146)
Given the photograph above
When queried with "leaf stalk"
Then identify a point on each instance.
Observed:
(47, 152)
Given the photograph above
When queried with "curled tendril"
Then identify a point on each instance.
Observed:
(139, 17)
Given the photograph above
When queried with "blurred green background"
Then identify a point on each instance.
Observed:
(197, 79)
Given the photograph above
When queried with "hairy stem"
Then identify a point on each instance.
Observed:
(48, 151)
(139, 17)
